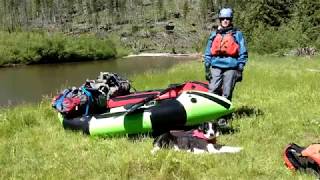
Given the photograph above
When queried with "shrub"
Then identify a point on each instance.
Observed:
(35, 47)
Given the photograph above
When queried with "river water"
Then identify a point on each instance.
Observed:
(28, 84)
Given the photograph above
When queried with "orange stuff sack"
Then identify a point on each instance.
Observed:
(305, 159)
(312, 151)
(224, 45)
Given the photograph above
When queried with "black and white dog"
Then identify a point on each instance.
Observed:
(200, 140)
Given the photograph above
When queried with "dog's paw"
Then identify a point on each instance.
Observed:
(229, 149)
(198, 151)
(238, 149)
(155, 150)
(223, 149)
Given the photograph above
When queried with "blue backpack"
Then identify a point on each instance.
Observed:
(73, 102)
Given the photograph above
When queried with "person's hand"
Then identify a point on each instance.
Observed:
(239, 76)
(239, 73)
(208, 75)
(240, 67)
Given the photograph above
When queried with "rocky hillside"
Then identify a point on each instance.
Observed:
(176, 26)
(143, 25)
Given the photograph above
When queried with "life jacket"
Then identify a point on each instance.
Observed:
(300, 158)
(225, 45)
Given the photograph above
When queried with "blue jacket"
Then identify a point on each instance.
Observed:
(227, 62)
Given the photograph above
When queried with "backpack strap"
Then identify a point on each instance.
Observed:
(90, 99)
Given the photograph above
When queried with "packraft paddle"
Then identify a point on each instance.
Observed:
(136, 106)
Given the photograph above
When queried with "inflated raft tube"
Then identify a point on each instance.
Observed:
(188, 109)
(172, 92)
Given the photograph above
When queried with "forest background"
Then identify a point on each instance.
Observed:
(283, 27)
(275, 104)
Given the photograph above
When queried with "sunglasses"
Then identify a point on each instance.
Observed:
(228, 19)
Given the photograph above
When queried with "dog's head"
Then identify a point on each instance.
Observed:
(210, 130)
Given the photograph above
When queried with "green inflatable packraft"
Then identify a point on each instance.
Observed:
(190, 108)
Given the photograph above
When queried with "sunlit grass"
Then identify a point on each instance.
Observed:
(277, 103)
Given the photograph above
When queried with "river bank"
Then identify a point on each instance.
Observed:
(23, 48)
(191, 55)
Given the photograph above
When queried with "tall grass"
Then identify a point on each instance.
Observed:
(277, 103)
(43, 47)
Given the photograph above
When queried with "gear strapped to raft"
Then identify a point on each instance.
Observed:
(91, 97)
(111, 91)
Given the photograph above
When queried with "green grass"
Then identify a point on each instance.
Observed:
(44, 47)
(277, 103)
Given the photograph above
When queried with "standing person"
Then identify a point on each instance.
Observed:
(225, 56)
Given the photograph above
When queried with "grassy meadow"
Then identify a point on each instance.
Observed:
(276, 103)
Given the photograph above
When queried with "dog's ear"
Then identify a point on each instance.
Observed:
(201, 127)
(215, 126)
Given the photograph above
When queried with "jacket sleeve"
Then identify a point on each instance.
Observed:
(243, 53)
(207, 53)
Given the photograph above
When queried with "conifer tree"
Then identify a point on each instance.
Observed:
(186, 9)
(307, 14)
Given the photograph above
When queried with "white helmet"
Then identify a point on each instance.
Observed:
(226, 13)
